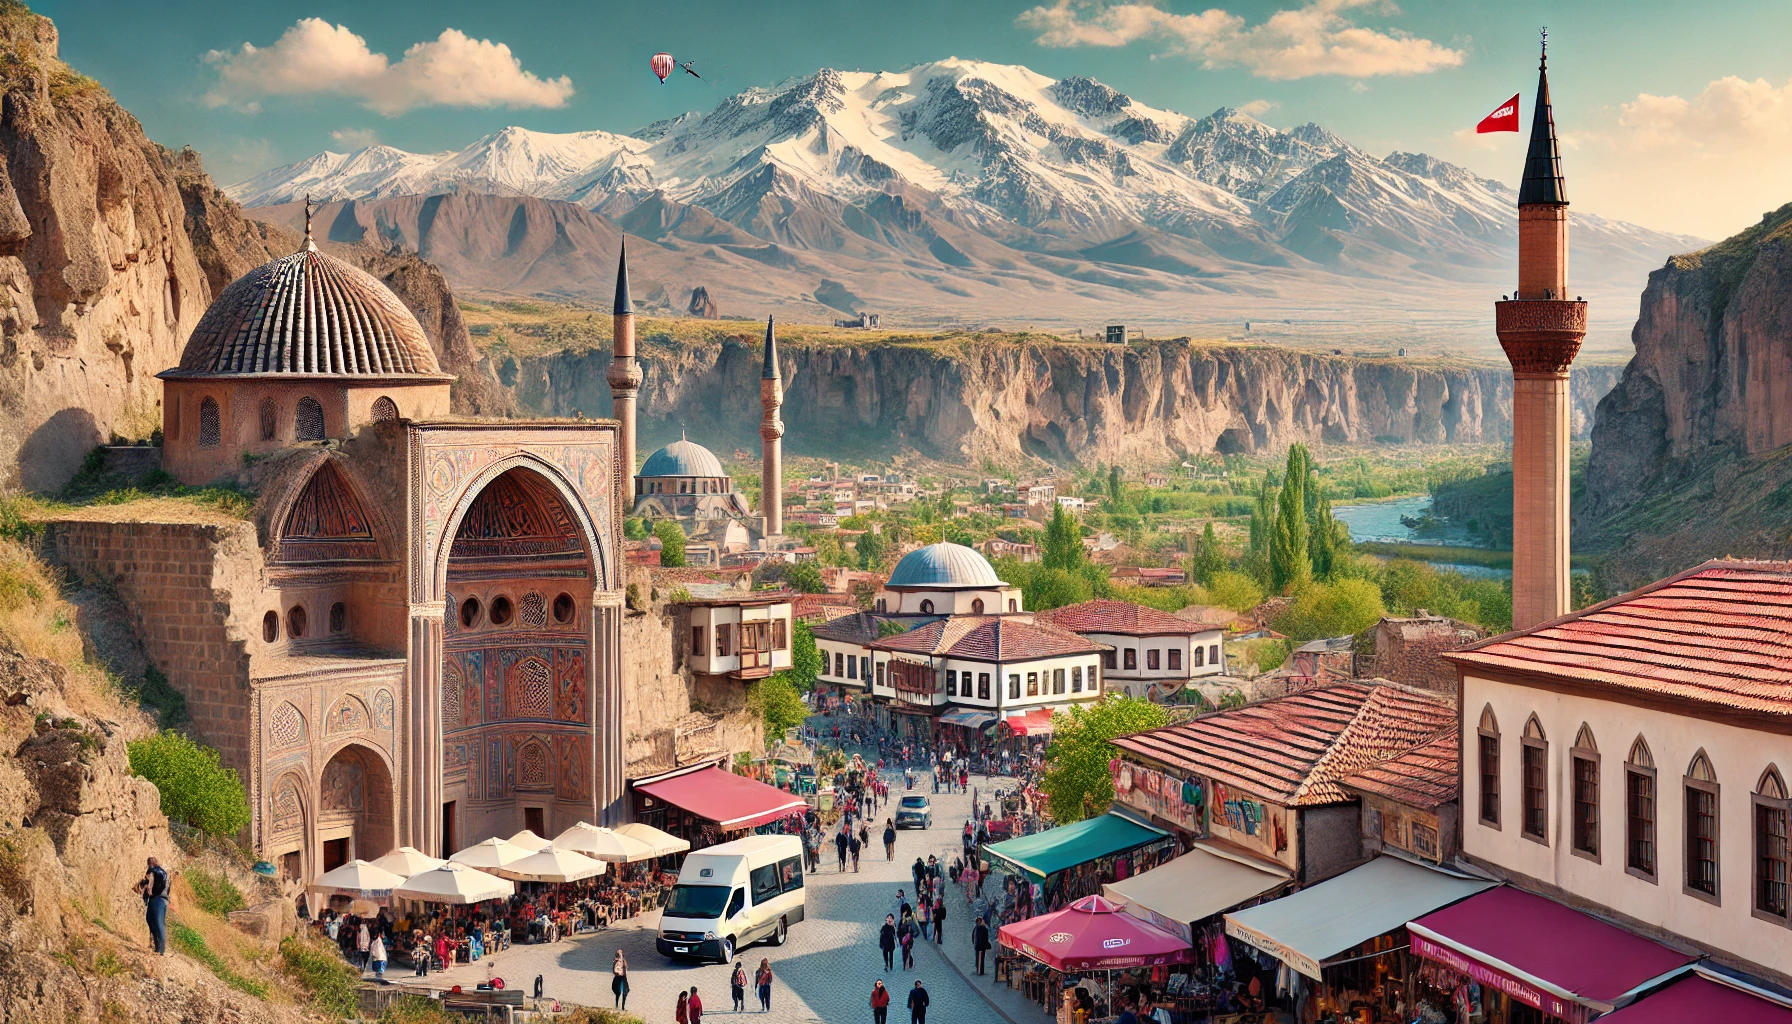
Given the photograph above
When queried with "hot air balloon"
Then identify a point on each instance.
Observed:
(662, 66)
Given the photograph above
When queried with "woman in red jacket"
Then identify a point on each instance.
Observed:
(880, 1003)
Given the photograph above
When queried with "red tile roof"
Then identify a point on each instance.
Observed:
(1424, 778)
(1121, 617)
(990, 638)
(1718, 633)
(1295, 749)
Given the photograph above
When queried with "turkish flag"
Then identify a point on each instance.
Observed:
(1505, 119)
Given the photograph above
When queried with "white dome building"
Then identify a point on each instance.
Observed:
(685, 481)
(947, 579)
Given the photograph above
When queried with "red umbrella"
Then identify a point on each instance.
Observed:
(1093, 934)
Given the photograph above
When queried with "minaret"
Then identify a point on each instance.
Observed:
(624, 376)
(1541, 330)
(771, 437)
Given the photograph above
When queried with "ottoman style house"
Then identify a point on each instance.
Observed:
(434, 643)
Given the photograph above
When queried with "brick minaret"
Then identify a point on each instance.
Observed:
(771, 437)
(1541, 330)
(624, 376)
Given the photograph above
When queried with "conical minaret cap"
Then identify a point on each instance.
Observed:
(771, 352)
(624, 304)
(1543, 182)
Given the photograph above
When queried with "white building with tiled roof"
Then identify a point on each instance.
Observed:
(1150, 653)
(1001, 667)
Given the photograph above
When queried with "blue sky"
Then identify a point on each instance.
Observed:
(1675, 115)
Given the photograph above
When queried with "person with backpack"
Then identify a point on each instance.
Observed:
(737, 986)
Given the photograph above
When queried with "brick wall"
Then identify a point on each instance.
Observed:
(177, 580)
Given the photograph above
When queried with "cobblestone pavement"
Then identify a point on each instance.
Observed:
(825, 969)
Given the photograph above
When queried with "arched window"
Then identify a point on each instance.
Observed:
(1489, 746)
(269, 424)
(1534, 748)
(270, 627)
(977, 606)
(211, 432)
(385, 410)
(500, 611)
(564, 609)
(308, 420)
(469, 613)
(1583, 760)
(295, 621)
(1702, 823)
(926, 607)
(1013, 605)
(338, 617)
(1773, 867)
(1639, 811)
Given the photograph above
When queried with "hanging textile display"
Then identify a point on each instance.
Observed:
(1153, 792)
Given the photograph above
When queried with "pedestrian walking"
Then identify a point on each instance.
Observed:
(886, 941)
(864, 836)
(377, 953)
(880, 1003)
(361, 944)
(764, 981)
(695, 1007)
(905, 936)
(853, 847)
(682, 1014)
(917, 1003)
(619, 981)
(972, 877)
(918, 870)
(980, 942)
(737, 986)
(939, 918)
(889, 839)
(153, 887)
(840, 845)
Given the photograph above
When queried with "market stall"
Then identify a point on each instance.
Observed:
(663, 844)
(528, 840)
(704, 806)
(358, 880)
(1090, 935)
(1514, 950)
(552, 865)
(1700, 997)
(1048, 870)
(407, 861)
(1337, 944)
(489, 854)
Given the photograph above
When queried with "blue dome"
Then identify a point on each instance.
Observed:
(683, 458)
(944, 566)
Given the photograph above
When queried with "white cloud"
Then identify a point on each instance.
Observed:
(1709, 165)
(314, 57)
(1257, 108)
(1317, 39)
(355, 138)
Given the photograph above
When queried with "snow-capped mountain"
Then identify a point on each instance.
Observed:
(962, 164)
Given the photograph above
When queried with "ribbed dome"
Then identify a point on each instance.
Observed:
(683, 457)
(307, 314)
(946, 566)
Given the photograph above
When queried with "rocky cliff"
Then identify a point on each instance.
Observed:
(111, 248)
(1690, 451)
(993, 398)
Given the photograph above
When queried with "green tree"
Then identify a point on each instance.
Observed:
(634, 528)
(1289, 565)
(1114, 483)
(871, 549)
(1209, 560)
(804, 578)
(779, 704)
(1324, 610)
(195, 788)
(1234, 590)
(1063, 541)
(671, 537)
(1076, 781)
(805, 658)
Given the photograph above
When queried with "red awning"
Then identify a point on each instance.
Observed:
(1700, 998)
(1540, 952)
(731, 801)
(1037, 722)
(1093, 934)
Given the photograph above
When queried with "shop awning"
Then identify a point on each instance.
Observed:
(1540, 952)
(1049, 852)
(1092, 934)
(731, 801)
(1699, 998)
(970, 718)
(1318, 923)
(1037, 722)
(1196, 885)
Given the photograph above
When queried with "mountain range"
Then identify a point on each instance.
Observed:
(969, 192)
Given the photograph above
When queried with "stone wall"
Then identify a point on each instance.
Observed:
(178, 580)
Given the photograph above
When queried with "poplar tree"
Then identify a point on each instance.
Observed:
(1209, 560)
(1289, 563)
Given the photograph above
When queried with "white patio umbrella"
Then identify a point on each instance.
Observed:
(604, 844)
(454, 883)
(407, 861)
(553, 865)
(360, 879)
(529, 841)
(489, 854)
(663, 843)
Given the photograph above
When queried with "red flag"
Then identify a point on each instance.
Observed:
(1505, 119)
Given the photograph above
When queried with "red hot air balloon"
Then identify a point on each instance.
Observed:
(662, 66)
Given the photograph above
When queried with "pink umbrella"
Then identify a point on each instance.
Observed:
(1093, 934)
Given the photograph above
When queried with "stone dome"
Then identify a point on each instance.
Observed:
(307, 315)
(683, 457)
(946, 566)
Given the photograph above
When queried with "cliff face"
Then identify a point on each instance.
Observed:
(1690, 449)
(1068, 403)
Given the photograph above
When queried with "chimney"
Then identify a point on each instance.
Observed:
(771, 437)
(1541, 332)
(624, 376)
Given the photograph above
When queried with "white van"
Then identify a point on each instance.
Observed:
(731, 895)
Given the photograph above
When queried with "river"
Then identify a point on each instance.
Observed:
(1380, 521)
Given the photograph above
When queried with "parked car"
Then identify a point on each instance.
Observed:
(914, 810)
